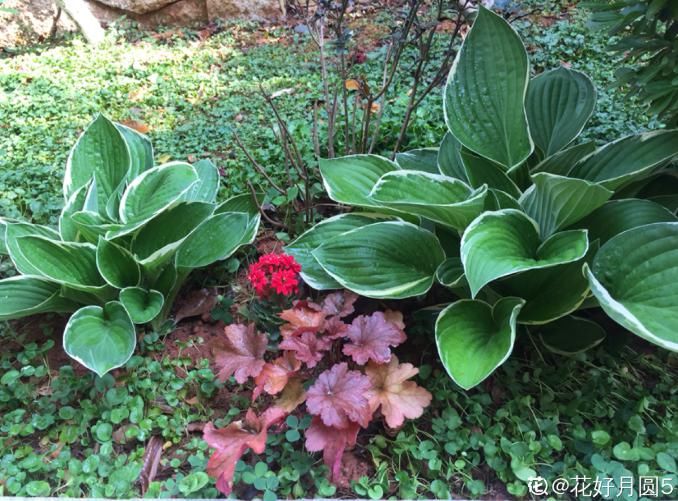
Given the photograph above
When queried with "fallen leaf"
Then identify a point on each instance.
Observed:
(398, 398)
(292, 396)
(163, 159)
(371, 338)
(340, 396)
(307, 347)
(240, 353)
(274, 376)
(332, 441)
(136, 125)
(149, 470)
(231, 442)
(375, 107)
(352, 84)
(196, 304)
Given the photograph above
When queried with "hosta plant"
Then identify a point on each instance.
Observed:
(129, 235)
(338, 364)
(522, 223)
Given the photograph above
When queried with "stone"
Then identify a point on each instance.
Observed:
(30, 22)
(137, 6)
(181, 13)
(258, 10)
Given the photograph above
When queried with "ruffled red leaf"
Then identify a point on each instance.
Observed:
(302, 317)
(339, 304)
(332, 441)
(371, 338)
(240, 352)
(398, 398)
(232, 442)
(275, 375)
(307, 347)
(340, 396)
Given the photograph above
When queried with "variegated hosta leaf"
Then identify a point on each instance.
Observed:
(140, 148)
(484, 98)
(3, 235)
(442, 199)
(142, 305)
(241, 203)
(474, 338)
(481, 171)
(349, 180)
(99, 338)
(67, 228)
(449, 158)
(156, 190)
(25, 295)
(559, 103)
(391, 259)
(302, 247)
(571, 335)
(621, 215)
(205, 190)
(91, 225)
(13, 232)
(422, 159)
(101, 152)
(450, 273)
(557, 202)
(562, 162)
(626, 159)
(634, 277)
(504, 242)
(117, 265)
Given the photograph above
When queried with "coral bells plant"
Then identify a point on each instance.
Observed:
(274, 274)
(344, 360)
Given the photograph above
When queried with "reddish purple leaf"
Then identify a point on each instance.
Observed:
(240, 352)
(307, 347)
(332, 441)
(371, 338)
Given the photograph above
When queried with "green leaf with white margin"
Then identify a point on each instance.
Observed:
(504, 242)
(422, 159)
(439, 198)
(562, 162)
(205, 190)
(474, 338)
(387, 260)
(67, 228)
(101, 152)
(558, 104)
(481, 171)
(557, 202)
(166, 280)
(617, 216)
(349, 180)
(628, 158)
(140, 148)
(213, 240)
(449, 158)
(13, 232)
(24, 295)
(156, 243)
(3, 235)
(302, 247)
(99, 338)
(634, 277)
(141, 304)
(497, 199)
(156, 190)
(117, 265)
(241, 203)
(484, 99)
(571, 335)
(92, 225)
(450, 273)
(67, 263)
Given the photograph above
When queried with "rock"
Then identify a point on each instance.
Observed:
(181, 13)
(137, 6)
(259, 10)
(30, 22)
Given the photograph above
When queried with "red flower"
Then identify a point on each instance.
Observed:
(274, 273)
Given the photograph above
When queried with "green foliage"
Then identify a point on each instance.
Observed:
(129, 235)
(511, 215)
(648, 38)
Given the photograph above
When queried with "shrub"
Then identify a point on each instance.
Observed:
(523, 225)
(129, 234)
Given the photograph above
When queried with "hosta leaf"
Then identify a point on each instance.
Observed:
(621, 215)
(91, 225)
(474, 338)
(621, 161)
(311, 271)
(116, 265)
(485, 93)
(100, 151)
(497, 199)
(449, 158)
(205, 190)
(481, 171)
(67, 263)
(349, 180)
(3, 235)
(99, 338)
(24, 295)
(422, 159)
(634, 277)
(562, 162)
(504, 242)
(571, 335)
(67, 228)
(442, 199)
(559, 103)
(166, 280)
(557, 202)
(13, 232)
(390, 259)
(241, 203)
(213, 240)
(142, 305)
(450, 273)
(156, 190)
(140, 148)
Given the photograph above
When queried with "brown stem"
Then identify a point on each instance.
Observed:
(256, 165)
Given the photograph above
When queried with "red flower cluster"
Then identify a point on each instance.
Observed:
(277, 273)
